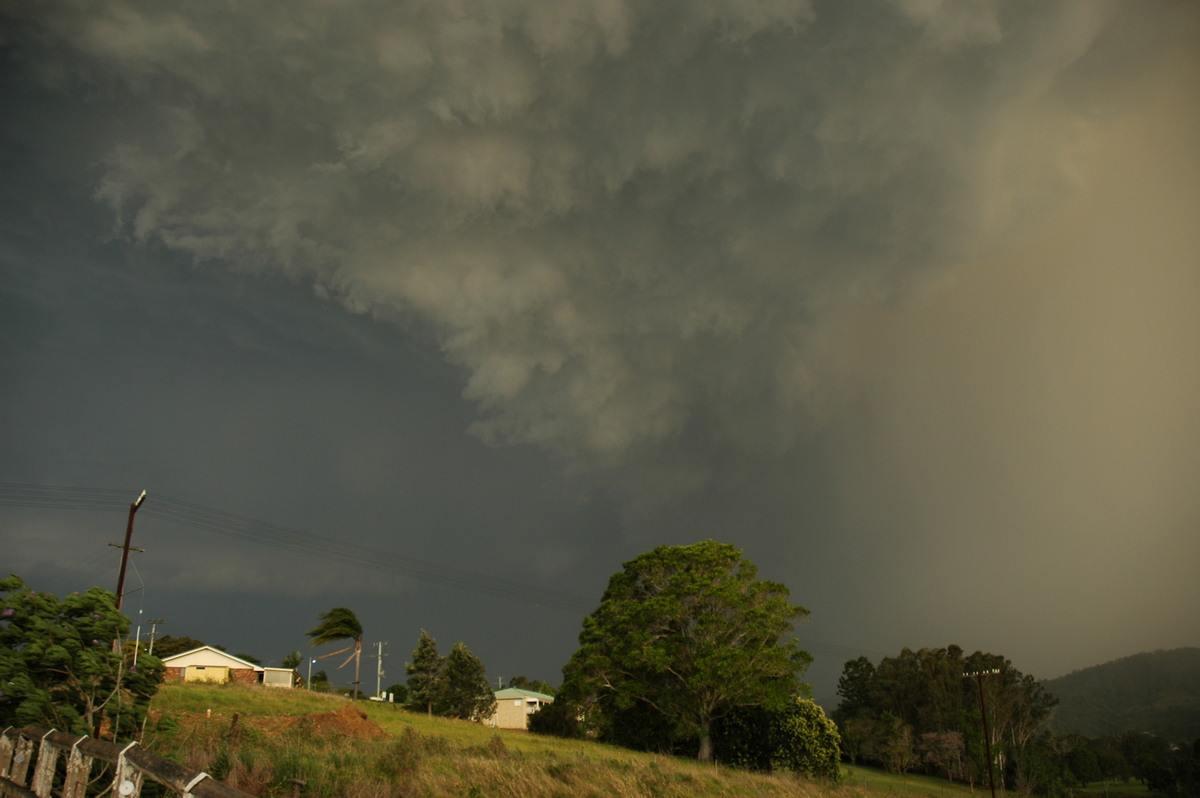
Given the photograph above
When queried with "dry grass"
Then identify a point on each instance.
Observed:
(414, 755)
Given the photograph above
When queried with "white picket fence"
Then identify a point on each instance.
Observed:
(131, 763)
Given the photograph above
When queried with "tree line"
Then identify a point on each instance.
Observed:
(924, 711)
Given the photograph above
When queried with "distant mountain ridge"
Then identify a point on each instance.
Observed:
(1156, 692)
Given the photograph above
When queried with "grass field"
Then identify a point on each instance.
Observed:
(284, 736)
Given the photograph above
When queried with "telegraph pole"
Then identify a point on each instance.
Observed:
(154, 624)
(987, 737)
(133, 508)
(379, 669)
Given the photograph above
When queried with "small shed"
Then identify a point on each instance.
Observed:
(279, 677)
(208, 664)
(514, 706)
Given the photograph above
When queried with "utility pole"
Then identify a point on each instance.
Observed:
(987, 737)
(154, 624)
(133, 508)
(379, 669)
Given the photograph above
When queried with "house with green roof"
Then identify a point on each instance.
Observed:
(514, 706)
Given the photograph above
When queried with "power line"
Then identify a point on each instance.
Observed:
(240, 527)
(184, 513)
(19, 494)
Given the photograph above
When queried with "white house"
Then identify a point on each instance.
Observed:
(208, 664)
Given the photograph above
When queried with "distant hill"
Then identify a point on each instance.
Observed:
(1157, 692)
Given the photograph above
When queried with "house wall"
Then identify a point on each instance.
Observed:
(202, 673)
(513, 712)
(216, 674)
(243, 675)
(510, 714)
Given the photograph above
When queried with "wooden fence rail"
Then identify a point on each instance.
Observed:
(131, 765)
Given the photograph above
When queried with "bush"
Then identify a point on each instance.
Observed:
(799, 738)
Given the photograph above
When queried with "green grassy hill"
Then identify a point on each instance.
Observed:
(261, 739)
(1157, 692)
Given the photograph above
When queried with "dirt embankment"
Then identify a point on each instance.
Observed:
(348, 721)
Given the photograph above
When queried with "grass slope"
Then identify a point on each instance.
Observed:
(422, 756)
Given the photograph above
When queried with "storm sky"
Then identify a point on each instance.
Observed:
(899, 297)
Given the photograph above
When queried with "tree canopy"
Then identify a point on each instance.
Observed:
(689, 633)
(336, 625)
(423, 673)
(58, 667)
(462, 687)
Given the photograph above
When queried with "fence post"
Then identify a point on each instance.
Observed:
(20, 760)
(6, 751)
(127, 781)
(79, 767)
(43, 771)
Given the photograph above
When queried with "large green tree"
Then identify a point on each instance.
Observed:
(336, 625)
(58, 667)
(692, 633)
(423, 673)
(462, 687)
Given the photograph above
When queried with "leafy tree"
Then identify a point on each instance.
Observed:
(292, 660)
(692, 633)
(399, 693)
(340, 624)
(856, 686)
(58, 667)
(896, 744)
(423, 673)
(462, 688)
(943, 751)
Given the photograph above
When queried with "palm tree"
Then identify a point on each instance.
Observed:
(340, 624)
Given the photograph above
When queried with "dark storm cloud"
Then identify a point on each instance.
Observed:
(621, 220)
(764, 267)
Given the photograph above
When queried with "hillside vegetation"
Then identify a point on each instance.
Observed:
(1156, 692)
(262, 739)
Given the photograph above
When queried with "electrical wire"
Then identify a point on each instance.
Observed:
(240, 527)
(195, 516)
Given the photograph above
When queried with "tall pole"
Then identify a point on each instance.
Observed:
(133, 508)
(987, 737)
(379, 670)
(154, 624)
